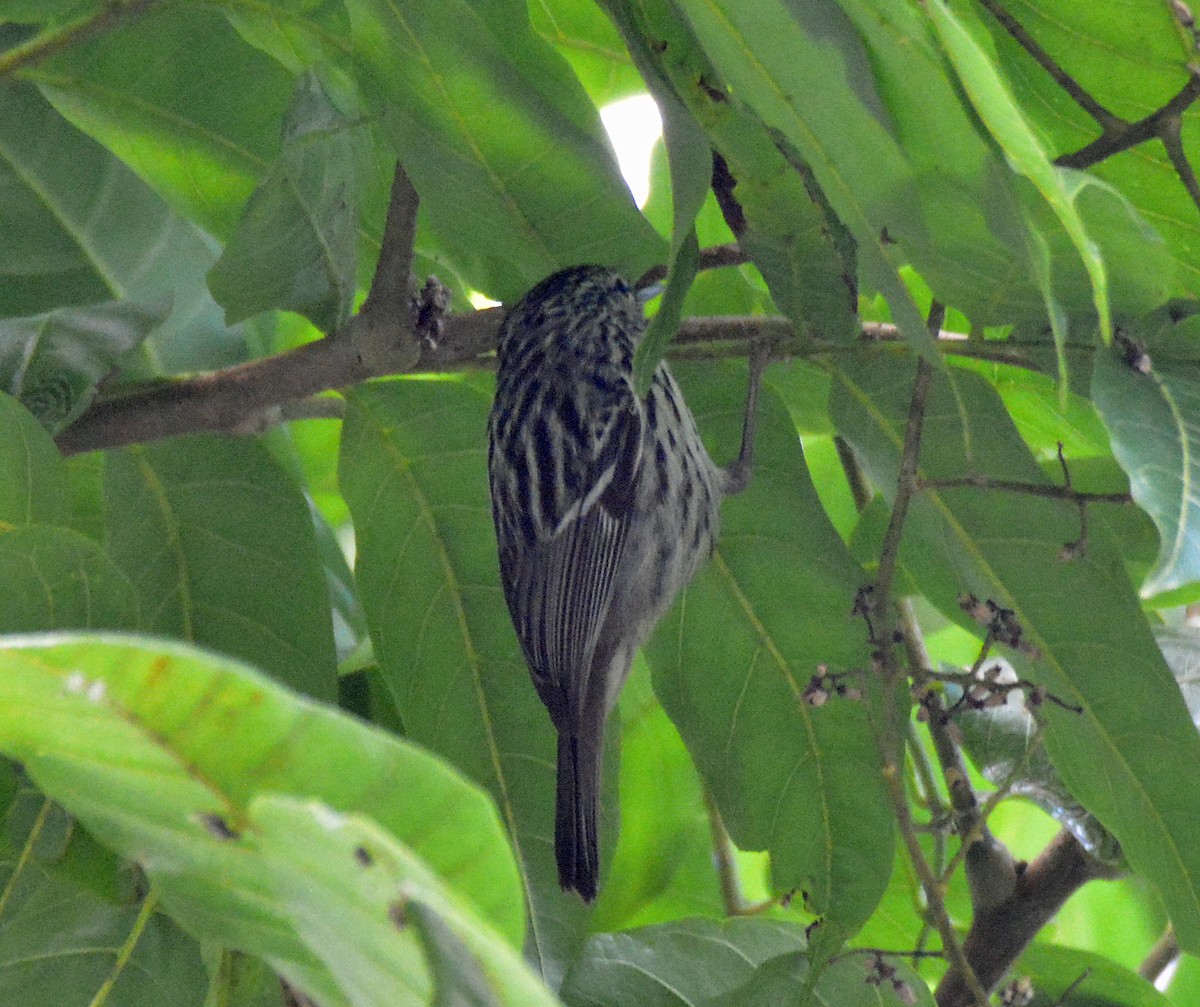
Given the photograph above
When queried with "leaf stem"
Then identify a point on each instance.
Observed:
(48, 43)
(726, 860)
(126, 952)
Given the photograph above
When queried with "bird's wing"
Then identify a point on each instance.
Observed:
(559, 585)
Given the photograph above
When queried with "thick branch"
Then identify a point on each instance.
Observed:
(999, 935)
(226, 400)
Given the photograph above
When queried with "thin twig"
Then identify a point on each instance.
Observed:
(725, 859)
(1161, 957)
(1121, 135)
(1029, 489)
(893, 677)
(712, 257)
(1104, 118)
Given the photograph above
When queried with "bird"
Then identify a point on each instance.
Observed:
(605, 504)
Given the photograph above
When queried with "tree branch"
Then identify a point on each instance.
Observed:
(1116, 134)
(383, 331)
(1028, 489)
(225, 400)
(990, 868)
(1104, 118)
(999, 935)
(893, 676)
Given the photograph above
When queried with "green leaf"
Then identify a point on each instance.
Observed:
(732, 660)
(507, 153)
(311, 34)
(660, 966)
(85, 229)
(53, 362)
(33, 479)
(1154, 422)
(1119, 756)
(414, 472)
(790, 65)
(662, 867)
(663, 326)
(56, 578)
(588, 41)
(850, 981)
(219, 543)
(62, 943)
(1132, 60)
(793, 242)
(380, 919)
(727, 963)
(161, 750)
(1085, 978)
(295, 246)
(181, 120)
(1002, 115)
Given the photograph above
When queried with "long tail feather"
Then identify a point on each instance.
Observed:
(575, 842)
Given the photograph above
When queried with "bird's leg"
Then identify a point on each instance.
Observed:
(738, 472)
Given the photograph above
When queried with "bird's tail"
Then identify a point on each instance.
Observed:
(578, 803)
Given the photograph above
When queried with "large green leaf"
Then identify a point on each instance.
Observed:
(33, 479)
(1132, 58)
(82, 228)
(661, 965)
(1067, 975)
(295, 245)
(662, 867)
(1119, 757)
(791, 240)
(992, 99)
(183, 120)
(506, 151)
(790, 64)
(379, 917)
(62, 943)
(732, 660)
(53, 362)
(582, 34)
(414, 471)
(219, 542)
(728, 963)
(161, 750)
(56, 578)
(1154, 421)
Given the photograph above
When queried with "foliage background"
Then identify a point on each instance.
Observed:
(193, 200)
